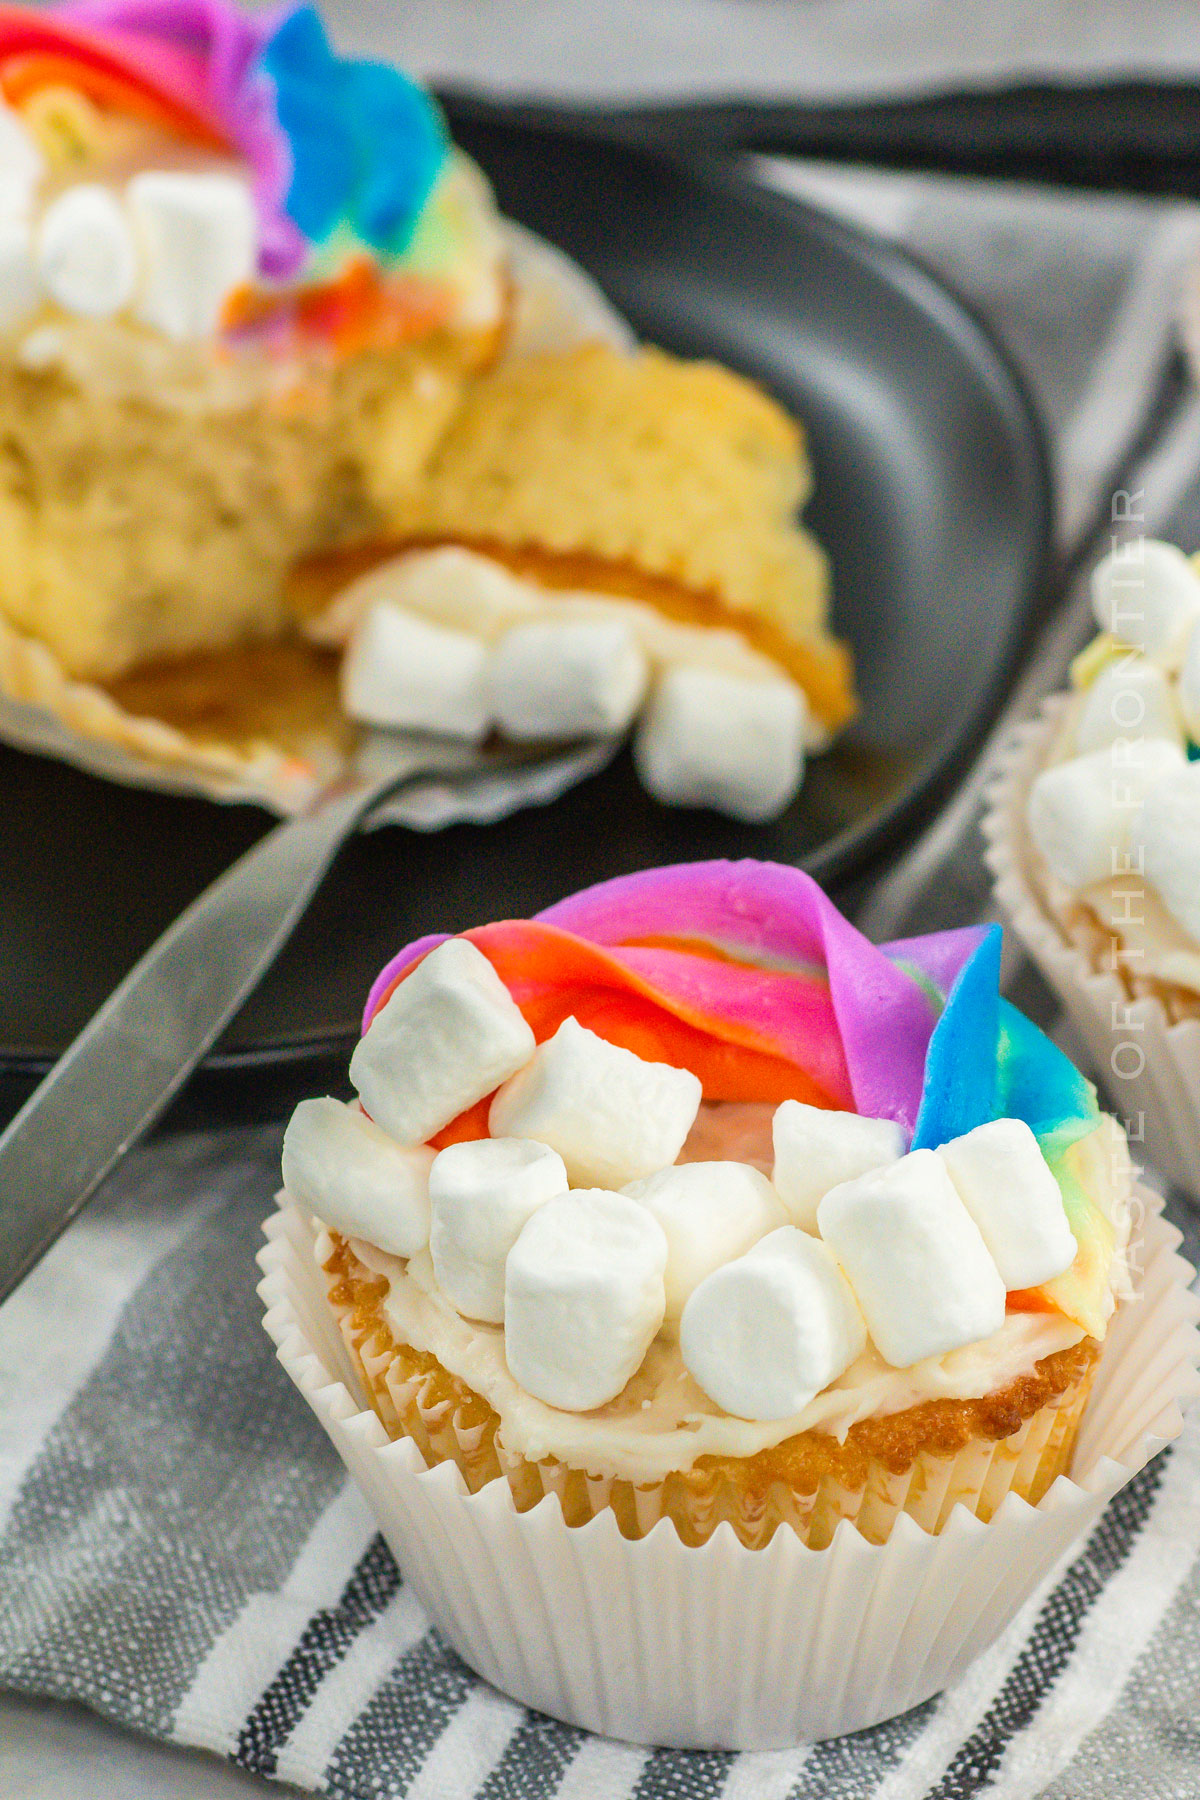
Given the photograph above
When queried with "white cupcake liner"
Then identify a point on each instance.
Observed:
(1159, 1101)
(724, 1646)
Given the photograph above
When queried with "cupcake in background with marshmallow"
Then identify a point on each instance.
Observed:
(683, 1202)
(1093, 829)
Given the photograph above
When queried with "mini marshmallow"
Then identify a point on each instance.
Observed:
(915, 1258)
(450, 1033)
(356, 1178)
(765, 1333)
(583, 1297)
(708, 739)
(574, 678)
(480, 1196)
(1131, 698)
(22, 164)
(1165, 844)
(1081, 811)
(711, 1212)
(20, 289)
(1006, 1185)
(87, 258)
(1189, 685)
(199, 237)
(612, 1117)
(402, 672)
(1147, 594)
(816, 1150)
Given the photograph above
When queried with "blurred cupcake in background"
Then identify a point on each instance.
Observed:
(1093, 829)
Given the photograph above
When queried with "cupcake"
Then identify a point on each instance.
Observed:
(684, 1201)
(245, 283)
(691, 1276)
(1094, 832)
(601, 538)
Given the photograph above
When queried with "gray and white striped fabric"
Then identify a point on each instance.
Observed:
(180, 1550)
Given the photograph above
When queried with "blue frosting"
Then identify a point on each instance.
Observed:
(367, 143)
(987, 1061)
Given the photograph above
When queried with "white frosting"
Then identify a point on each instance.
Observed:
(449, 1034)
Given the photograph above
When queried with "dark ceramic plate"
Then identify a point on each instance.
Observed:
(931, 497)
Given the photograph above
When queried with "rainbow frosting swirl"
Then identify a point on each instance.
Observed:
(747, 974)
(341, 155)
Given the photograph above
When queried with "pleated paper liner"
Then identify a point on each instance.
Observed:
(721, 1645)
(1154, 1082)
(281, 757)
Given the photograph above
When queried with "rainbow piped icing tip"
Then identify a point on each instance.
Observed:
(748, 975)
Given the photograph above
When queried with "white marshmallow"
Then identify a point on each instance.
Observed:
(1131, 698)
(1081, 812)
(199, 238)
(449, 1034)
(765, 1333)
(707, 739)
(20, 289)
(1165, 844)
(402, 672)
(611, 1117)
(711, 1212)
(356, 1178)
(816, 1150)
(578, 678)
(583, 1297)
(480, 1195)
(1189, 685)
(87, 257)
(1147, 594)
(1006, 1185)
(915, 1258)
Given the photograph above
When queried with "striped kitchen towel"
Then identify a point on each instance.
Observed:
(180, 1550)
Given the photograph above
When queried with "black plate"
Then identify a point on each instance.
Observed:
(932, 498)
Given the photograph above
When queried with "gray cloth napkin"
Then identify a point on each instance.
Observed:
(814, 50)
(179, 1549)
